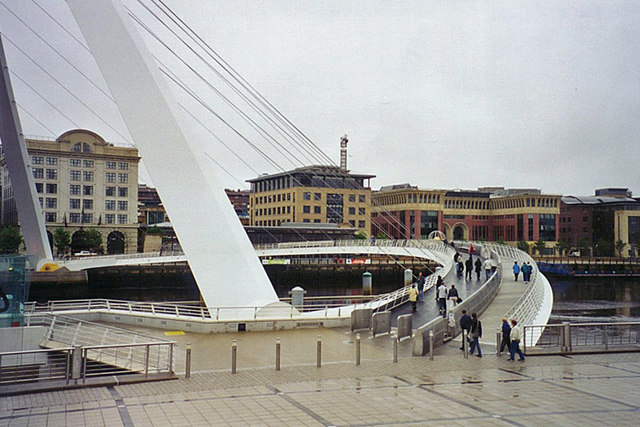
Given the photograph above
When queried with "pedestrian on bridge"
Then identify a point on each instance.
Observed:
(506, 336)
(478, 267)
(453, 295)
(476, 334)
(465, 325)
(442, 300)
(516, 269)
(468, 268)
(516, 335)
(420, 283)
(413, 297)
(488, 265)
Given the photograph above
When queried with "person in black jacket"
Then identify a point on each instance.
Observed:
(478, 267)
(465, 325)
(506, 335)
(476, 334)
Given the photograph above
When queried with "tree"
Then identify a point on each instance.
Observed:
(61, 239)
(360, 235)
(381, 235)
(10, 240)
(620, 247)
(94, 240)
(540, 246)
(603, 248)
(523, 246)
(561, 247)
(583, 246)
(501, 241)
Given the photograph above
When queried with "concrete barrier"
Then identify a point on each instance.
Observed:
(381, 323)
(405, 326)
(361, 319)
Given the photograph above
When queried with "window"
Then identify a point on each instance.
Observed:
(74, 175)
(362, 211)
(51, 203)
(52, 188)
(81, 147)
(39, 187)
(87, 204)
(50, 216)
(352, 197)
(123, 192)
(122, 205)
(110, 191)
(123, 178)
(88, 163)
(87, 176)
(123, 166)
(87, 218)
(352, 223)
(52, 173)
(74, 190)
(317, 209)
(317, 221)
(74, 217)
(110, 177)
(52, 161)
(41, 201)
(122, 219)
(110, 218)
(37, 160)
(110, 205)
(361, 224)
(306, 209)
(352, 210)
(306, 196)
(87, 190)
(75, 163)
(38, 173)
(362, 198)
(317, 196)
(110, 165)
(74, 203)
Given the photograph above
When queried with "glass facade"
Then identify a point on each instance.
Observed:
(14, 290)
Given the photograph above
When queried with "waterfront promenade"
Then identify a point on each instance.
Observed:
(451, 390)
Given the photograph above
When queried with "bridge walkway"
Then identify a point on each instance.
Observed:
(428, 310)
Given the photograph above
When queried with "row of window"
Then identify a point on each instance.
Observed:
(318, 209)
(277, 222)
(274, 211)
(76, 163)
(87, 218)
(109, 205)
(77, 175)
(275, 198)
(318, 196)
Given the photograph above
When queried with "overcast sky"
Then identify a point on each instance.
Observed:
(439, 94)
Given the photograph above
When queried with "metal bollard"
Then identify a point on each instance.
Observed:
(498, 342)
(431, 345)
(277, 354)
(357, 349)
(234, 355)
(466, 343)
(395, 349)
(319, 352)
(187, 363)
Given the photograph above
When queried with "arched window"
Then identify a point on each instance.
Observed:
(81, 147)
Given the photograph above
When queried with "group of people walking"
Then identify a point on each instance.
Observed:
(511, 336)
(526, 269)
(467, 267)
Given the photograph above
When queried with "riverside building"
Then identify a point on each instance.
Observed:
(491, 214)
(83, 182)
(314, 195)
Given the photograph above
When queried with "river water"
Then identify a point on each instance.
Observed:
(595, 299)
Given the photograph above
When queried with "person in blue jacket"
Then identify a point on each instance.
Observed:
(516, 269)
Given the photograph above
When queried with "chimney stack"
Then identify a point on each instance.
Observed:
(343, 152)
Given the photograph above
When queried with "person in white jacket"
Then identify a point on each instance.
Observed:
(516, 335)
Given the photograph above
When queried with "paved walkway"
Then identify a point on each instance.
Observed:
(578, 390)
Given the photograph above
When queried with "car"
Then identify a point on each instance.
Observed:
(84, 253)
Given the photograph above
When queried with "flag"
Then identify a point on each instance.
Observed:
(82, 216)
(100, 219)
(64, 219)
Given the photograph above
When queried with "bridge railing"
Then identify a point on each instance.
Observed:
(582, 337)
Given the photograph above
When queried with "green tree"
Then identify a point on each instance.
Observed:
(583, 246)
(620, 247)
(381, 235)
(603, 248)
(360, 235)
(10, 240)
(561, 247)
(501, 241)
(540, 246)
(523, 246)
(61, 239)
(94, 240)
